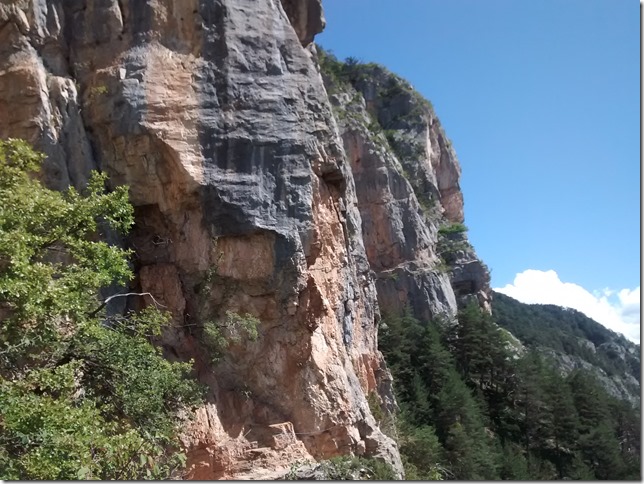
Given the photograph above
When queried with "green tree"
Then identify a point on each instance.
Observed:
(590, 400)
(478, 411)
(479, 348)
(600, 449)
(564, 421)
(421, 451)
(627, 424)
(82, 395)
(435, 397)
(514, 466)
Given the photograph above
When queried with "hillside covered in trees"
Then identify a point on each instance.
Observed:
(574, 341)
(472, 407)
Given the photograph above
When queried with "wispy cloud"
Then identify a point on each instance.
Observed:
(618, 310)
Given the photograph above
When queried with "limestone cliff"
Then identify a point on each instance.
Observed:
(216, 117)
(406, 175)
(248, 200)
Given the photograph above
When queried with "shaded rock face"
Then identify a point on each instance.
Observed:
(307, 18)
(406, 176)
(215, 115)
(469, 276)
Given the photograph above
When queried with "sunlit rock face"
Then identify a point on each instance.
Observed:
(262, 197)
(215, 115)
(407, 183)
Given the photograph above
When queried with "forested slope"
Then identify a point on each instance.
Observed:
(574, 341)
(472, 408)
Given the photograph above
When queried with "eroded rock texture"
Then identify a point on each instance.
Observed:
(406, 175)
(216, 117)
(248, 200)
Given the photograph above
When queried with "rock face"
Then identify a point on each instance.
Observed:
(247, 207)
(216, 117)
(406, 175)
(307, 18)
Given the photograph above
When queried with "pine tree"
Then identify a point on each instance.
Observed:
(600, 450)
(590, 400)
(627, 424)
(534, 408)
(565, 423)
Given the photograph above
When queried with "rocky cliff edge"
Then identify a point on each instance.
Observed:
(256, 204)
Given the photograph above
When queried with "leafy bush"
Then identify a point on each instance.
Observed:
(450, 243)
(234, 328)
(82, 396)
(332, 68)
(346, 468)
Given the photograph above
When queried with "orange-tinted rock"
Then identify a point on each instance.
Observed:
(407, 185)
(216, 118)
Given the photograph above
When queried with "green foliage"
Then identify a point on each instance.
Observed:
(472, 409)
(40, 231)
(514, 466)
(233, 329)
(435, 398)
(451, 241)
(214, 340)
(569, 332)
(81, 397)
(374, 407)
(97, 91)
(340, 75)
(337, 72)
(374, 127)
(421, 452)
(52, 431)
(455, 228)
(345, 468)
(291, 475)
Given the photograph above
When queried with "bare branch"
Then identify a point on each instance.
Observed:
(104, 303)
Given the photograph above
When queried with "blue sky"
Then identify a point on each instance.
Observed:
(541, 101)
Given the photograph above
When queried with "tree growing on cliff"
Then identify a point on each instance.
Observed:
(82, 396)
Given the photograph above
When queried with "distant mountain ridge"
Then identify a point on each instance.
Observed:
(574, 341)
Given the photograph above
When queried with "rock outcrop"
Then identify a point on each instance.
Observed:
(251, 207)
(406, 175)
(216, 117)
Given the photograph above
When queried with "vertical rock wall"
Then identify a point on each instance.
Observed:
(248, 200)
(406, 175)
(215, 115)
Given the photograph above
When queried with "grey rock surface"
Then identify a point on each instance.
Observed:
(216, 117)
(406, 176)
(307, 18)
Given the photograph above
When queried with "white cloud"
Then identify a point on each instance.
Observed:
(618, 310)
